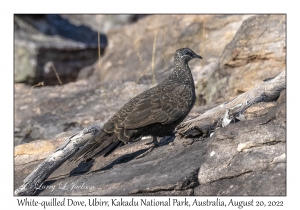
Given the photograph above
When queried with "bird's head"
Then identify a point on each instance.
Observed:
(185, 54)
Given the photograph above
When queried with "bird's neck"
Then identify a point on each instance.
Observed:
(182, 73)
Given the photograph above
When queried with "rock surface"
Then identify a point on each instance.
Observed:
(75, 105)
(143, 52)
(239, 52)
(53, 24)
(70, 107)
(257, 52)
(244, 158)
(104, 23)
(55, 41)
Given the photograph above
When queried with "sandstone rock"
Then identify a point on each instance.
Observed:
(58, 42)
(36, 117)
(257, 52)
(244, 158)
(144, 51)
(41, 113)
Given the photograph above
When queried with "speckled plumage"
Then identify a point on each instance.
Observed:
(156, 111)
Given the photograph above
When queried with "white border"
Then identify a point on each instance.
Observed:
(8, 8)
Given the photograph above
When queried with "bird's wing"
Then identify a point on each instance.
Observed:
(157, 107)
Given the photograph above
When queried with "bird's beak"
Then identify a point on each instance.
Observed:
(197, 56)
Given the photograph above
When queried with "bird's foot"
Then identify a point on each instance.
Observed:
(155, 142)
(149, 143)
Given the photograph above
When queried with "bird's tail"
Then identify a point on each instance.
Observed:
(102, 145)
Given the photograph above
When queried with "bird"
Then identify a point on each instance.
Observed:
(155, 112)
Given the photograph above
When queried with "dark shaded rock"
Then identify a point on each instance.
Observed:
(35, 52)
(244, 158)
(257, 51)
(51, 24)
(104, 23)
(118, 180)
(135, 17)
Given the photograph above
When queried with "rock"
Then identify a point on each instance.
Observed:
(41, 113)
(52, 25)
(267, 182)
(104, 23)
(67, 47)
(129, 54)
(38, 118)
(257, 52)
(38, 150)
(244, 158)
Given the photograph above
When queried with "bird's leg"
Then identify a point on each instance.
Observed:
(155, 142)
